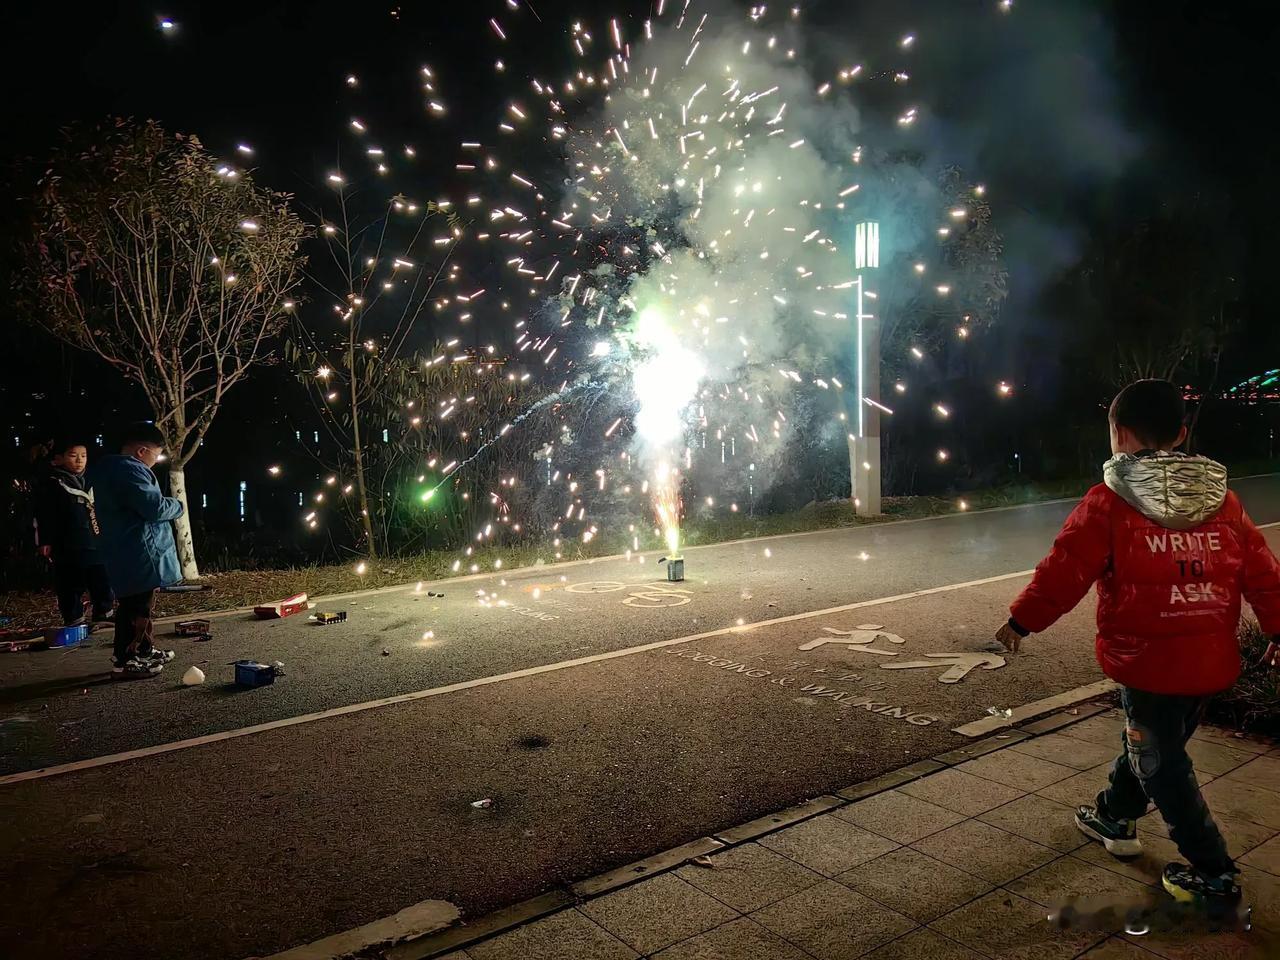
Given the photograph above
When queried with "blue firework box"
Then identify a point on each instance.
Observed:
(68, 636)
(250, 673)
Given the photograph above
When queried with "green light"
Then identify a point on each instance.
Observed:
(426, 495)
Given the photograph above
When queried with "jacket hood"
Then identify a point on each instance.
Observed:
(1175, 490)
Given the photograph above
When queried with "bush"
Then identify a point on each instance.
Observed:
(1253, 704)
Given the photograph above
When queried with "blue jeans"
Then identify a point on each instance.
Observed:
(1154, 766)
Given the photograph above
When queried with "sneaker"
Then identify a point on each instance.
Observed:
(1188, 885)
(1120, 837)
(156, 655)
(136, 669)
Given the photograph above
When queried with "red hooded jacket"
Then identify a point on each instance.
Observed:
(1172, 552)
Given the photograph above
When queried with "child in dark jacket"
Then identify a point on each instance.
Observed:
(67, 533)
(1173, 553)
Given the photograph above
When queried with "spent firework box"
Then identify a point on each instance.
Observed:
(281, 608)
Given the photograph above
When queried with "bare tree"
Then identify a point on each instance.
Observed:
(401, 411)
(173, 268)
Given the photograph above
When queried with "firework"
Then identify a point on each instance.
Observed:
(691, 267)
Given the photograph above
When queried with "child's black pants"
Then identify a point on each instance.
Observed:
(133, 626)
(1154, 766)
(71, 579)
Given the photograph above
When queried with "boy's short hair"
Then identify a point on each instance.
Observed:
(1153, 410)
(141, 431)
(62, 444)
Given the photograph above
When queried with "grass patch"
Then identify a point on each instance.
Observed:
(1253, 704)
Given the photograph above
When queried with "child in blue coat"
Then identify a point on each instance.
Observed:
(137, 545)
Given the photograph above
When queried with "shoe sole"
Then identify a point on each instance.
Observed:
(1117, 848)
(137, 676)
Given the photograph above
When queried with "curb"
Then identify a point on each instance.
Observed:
(559, 898)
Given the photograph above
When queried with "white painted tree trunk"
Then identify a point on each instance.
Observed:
(182, 526)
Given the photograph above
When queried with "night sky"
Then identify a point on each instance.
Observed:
(1081, 116)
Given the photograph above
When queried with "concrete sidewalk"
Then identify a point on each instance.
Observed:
(947, 859)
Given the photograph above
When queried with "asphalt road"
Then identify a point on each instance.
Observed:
(57, 707)
(249, 845)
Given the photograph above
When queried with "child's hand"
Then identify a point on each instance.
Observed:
(1271, 657)
(1009, 637)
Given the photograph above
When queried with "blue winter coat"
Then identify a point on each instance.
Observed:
(137, 542)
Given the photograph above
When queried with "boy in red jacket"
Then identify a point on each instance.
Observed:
(1172, 552)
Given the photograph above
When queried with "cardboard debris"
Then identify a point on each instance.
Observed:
(281, 608)
(338, 616)
(192, 628)
(16, 641)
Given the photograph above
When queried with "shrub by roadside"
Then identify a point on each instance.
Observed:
(1253, 704)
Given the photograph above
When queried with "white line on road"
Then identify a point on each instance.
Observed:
(114, 758)
(588, 561)
(567, 564)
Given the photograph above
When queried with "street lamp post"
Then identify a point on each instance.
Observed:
(864, 440)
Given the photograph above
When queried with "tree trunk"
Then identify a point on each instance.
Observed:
(361, 491)
(182, 526)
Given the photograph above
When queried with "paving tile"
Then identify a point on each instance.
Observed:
(1068, 750)
(1234, 798)
(961, 792)
(914, 884)
(1040, 819)
(557, 937)
(1104, 729)
(1145, 868)
(1241, 835)
(1017, 770)
(1203, 944)
(1265, 857)
(828, 844)
(1117, 948)
(1262, 890)
(924, 945)
(899, 816)
(1215, 759)
(749, 877)
(1231, 738)
(832, 922)
(985, 851)
(1004, 926)
(1069, 879)
(736, 940)
(1081, 788)
(657, 913)
(1260, 772)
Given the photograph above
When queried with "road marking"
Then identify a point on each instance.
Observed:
(142, 752)
(978, 727)
(114, 758)
(566, 564)
(547, 568)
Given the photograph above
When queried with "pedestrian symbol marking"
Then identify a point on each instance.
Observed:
(858, 639)
(959, 664)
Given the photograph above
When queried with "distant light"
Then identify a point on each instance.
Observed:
(361, 568)
(167, 25)
(273, 470)
(244, 148)
(601, 349)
